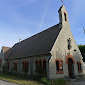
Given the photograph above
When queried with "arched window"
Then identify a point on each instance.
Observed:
(57, 65)
(40, 64)
(15, 66)
(40, 67)
(22, 66)
(44, 65)
(25, 66)
(79, 67)
(8, 64)
(65, 17)
(36, 66)
(61, 66)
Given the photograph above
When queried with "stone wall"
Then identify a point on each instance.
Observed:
(60, 50)
(31, 66)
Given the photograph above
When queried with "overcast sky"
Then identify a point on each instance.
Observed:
(24, 18)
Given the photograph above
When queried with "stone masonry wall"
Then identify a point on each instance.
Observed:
(60, 50)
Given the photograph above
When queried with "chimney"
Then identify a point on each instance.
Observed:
(19, 40)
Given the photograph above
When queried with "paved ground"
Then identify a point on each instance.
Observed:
(6, 83)
(77, 83)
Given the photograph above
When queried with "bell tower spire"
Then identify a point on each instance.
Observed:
(63, 16)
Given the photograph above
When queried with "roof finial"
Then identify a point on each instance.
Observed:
(62, 2)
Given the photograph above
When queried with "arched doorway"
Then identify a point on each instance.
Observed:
(70, 68)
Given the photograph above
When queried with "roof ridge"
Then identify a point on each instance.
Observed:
(41, 42)
(35, 34)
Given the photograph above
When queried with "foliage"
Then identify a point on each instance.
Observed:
(46, 81)
(82, 50)
(5, 68)
(59, 82)
(19, 79)
(24, 80)
(54, 82)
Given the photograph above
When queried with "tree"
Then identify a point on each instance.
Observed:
(82, 50)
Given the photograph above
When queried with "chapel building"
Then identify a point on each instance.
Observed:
(52, 52)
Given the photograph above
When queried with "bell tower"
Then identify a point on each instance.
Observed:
(63, 16)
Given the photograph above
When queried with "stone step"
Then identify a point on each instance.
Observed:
(73, 80)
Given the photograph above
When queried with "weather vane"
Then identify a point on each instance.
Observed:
(62, 2)
(84, 30)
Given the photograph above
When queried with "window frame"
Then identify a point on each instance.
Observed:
(60, 71)
(25, 66)
(44, 65)
(40, 65)
(65, 16)
(36, 66)
(15, 66)
(79, 67)
(8, 65)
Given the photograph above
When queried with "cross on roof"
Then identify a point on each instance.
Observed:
(62, 2)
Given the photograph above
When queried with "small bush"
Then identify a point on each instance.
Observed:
(46, 81)
(60, 82)
(54, 82)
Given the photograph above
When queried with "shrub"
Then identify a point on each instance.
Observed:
(53, 82)
(5, 68)
(46, 81)
(60, 82)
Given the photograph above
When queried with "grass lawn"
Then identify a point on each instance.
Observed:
(24, 80)
(19, 79)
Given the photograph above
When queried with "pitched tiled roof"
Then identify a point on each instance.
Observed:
(40, 43)
(7, 53)
(5, 48)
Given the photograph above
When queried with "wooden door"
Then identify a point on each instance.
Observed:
(70, 67)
